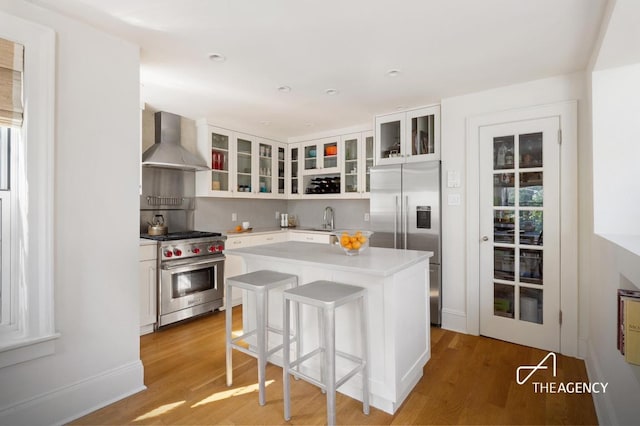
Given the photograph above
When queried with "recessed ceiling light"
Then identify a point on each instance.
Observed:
(393, 73)
(284, 89)
(331, 92)
(217, 57)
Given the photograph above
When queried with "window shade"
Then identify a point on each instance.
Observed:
(11, 67)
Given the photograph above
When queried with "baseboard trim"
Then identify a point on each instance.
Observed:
(604, 406)
(70, 402)
(454, 320)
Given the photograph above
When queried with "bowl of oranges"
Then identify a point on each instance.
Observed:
(353, 242)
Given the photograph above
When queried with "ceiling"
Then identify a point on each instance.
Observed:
(442, 48)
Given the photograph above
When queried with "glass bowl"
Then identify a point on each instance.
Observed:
(353, 242)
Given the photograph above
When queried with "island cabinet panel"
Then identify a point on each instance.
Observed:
(397, 312)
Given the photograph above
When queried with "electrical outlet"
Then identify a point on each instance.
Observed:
(366, 217)
(234, 217)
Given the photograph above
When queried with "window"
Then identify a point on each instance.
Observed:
(26, 315)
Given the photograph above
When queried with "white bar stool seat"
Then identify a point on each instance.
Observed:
(326, 296)
(260, 283)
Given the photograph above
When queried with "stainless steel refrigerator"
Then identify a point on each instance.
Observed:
(405, 214)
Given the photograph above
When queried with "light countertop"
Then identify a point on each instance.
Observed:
(262, 231)
(373, 261)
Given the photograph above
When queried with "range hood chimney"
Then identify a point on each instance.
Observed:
(167, 152)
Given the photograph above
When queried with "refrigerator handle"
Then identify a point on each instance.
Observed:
(395, 225)
(406, 220)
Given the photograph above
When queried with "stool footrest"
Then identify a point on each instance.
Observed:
(305, 357)
(349, 375)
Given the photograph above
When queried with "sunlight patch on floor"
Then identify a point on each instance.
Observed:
(159, 411)
(230, 393)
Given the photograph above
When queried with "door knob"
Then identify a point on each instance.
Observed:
(485, 238)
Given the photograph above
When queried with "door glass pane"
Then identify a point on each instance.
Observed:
(351, 165)
(504, 263)
(281, 176)
(531, 227)
(531, 304)
(244, 165)
(294, 170)
(310, 157)
(504, 226)
(265, 165)
(531, 266)
(531, 191)
(504, 192)
(369, 161)
(422, 135)
(390, 139)
(219, 162)
(531, 150)
(330, 151)
(503, 149)
(503, 300)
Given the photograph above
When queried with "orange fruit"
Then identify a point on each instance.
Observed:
(358, 234)
(347, 246)
(238, 228)
(353, 239)
(362, 239)
(344, 240)
(356, 245)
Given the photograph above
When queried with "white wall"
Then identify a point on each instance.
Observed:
(455, 113)
(96, 358)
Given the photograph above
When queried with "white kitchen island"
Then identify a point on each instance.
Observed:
(397, 283)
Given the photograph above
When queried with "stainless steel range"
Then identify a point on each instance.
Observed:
(191, 274)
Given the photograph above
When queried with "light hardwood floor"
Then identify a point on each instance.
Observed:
(469, 380)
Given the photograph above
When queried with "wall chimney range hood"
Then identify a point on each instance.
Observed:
(167, 152)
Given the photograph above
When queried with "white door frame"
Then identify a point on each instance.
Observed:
(567, 113)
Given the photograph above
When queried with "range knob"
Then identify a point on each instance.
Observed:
(220, 248)
(212, 249)
(177, 252)
(195, 250)
(168, 253)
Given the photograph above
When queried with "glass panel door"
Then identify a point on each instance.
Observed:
(390, 142)
(244, 170)
(351, 156)
(519, 256)
(219, 162)
(423, 135)
(330, 155)
(265, 168)
(281, 176)
(310, 157)
(368, 161)
(294, 170)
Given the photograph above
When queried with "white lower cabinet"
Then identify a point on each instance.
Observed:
(234, 265)
(147, 282)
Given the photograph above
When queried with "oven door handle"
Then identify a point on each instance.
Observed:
(193, 265)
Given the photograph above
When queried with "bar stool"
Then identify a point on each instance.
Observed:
(260, 283)
(326, 296)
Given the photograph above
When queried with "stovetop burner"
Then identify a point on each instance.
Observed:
(185, 235)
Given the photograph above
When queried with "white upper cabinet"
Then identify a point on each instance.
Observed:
(294, 186)
(321, 156)
(216, 145)
(242, 165)
(408, 136)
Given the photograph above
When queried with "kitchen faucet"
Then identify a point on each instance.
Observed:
(327, 219)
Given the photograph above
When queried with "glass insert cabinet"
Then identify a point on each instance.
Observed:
(408, 136)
